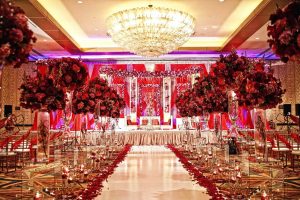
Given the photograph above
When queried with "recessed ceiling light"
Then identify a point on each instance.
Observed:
(221, 0)
(257, 38)
(79, 2)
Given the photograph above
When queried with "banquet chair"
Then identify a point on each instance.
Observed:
(155, 123)
(131, 125)
(144, 122)
(295, 154)
(8, 159)
(23, 152)
(166, 125)
(282, 150)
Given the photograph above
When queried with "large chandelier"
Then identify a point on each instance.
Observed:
(150, 31)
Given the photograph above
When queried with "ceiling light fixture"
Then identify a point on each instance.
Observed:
(150, 31)
(80, 2)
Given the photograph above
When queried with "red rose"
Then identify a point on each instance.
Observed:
(16, 35)
(221, 81)
(221, 66)
(75, 68)
(98, 94)
(80, 105)
(4, 50)
(68, 78)
(91, 103)
(85, 96)
(21, 19)
(92, 95)
(40, 96)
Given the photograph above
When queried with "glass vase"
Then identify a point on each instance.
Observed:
(42, 154)
(205, 118)
(233, 116)
(68, 111)
(233, 113)
(260, 137)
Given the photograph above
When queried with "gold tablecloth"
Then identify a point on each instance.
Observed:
(156, 137)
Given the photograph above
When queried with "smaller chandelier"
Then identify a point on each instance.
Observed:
(150, 31)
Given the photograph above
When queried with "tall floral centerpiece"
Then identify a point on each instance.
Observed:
(188, 108)
(284, 32)
(39, 93)
(260, 90)
(211, 97)
(68, 74)
(230, 71)
(110, 106)
(98, 98)
(15, 36)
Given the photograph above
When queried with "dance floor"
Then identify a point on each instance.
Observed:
(151, 172)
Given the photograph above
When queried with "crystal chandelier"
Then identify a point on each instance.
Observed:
(150, 31)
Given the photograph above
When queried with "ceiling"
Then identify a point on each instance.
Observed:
(77, 27)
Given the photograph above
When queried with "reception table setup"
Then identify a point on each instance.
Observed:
(149, 100)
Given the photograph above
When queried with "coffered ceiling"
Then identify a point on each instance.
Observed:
(77, 27)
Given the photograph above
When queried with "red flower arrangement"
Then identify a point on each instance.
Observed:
(110, 104)
(210, 95)
(97, 92)
(186, 104)
(284, 32)
(230, 70)
(69, 73)
(260, 89)
(85, 98)
(15, 36)
(40, 92)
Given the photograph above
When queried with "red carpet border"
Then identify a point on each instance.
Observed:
(212, 189)
(95, 187)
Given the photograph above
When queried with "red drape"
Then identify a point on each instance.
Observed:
(76, 122)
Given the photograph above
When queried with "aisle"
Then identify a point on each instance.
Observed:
(151, 173)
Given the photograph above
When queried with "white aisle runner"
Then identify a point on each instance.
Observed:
(151, 173)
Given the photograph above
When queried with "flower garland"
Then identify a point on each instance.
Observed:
(40, 92)
(69, 73)
(230, 70)
(203, 181)
(260, 89)
(15, 36)
(156, 74)
(94, 188)
(284, 32)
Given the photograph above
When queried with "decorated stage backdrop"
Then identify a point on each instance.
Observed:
(148, 93)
